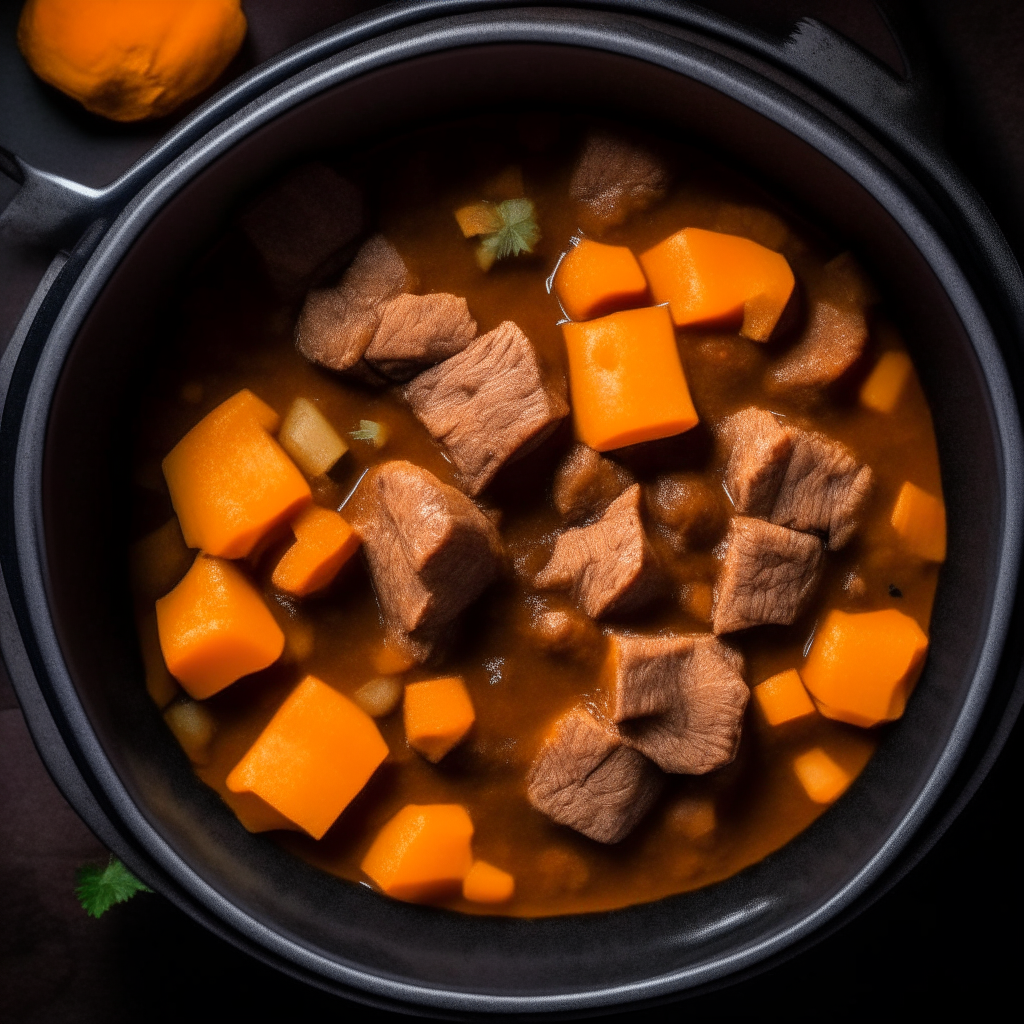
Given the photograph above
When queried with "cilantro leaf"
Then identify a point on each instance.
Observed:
(375, 433)
(518, 233)
(98, 889)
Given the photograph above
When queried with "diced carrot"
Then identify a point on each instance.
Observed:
(782, 698)
(158, 561)
(862, 665)
(314, 756)
(256, 815)
(160, 684)
(391, 659)
(487, 884)
(920, 519)
(423, 853)
(626, 379)
(477, 219)
(230, 481)
(593, 279)
(308, 437)
(214, 628)
(438, 713)
(694, 818)
(193, 727)
(324, 542)
(885, 383)
(823, 780)
(707, 277)
(380, 696)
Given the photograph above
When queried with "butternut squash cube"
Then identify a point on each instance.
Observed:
(487, 884)
(626, 379)
(782, 698)
(593, 279)
(256, 815)
(710, 278)
(423, 853)
(884, 384)
(920, 520)
(862, 665)
(214, 628)
(308, 437)
(823, 780)
(324, 542)
(438, 713)
(230, 481)
(314, 756)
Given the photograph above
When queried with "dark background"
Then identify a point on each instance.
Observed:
(945, 938)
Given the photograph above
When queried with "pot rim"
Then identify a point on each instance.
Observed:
(612, 33)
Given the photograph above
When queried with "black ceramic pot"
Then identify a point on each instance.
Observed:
(860, 163)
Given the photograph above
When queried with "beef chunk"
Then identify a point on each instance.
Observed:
(689, 512)
(678, 699)
(301, 222)
(587, 483)
(614, 178)
(584, 777)
(832, 342)
(768, 575)
(487, 404)
(416, 331)
(609, 565)
(759, 451)
(430, 550)
(337, 324)
(824, 489)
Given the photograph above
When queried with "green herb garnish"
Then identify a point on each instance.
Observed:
(518, 233)
(375, 433)
(98, 889)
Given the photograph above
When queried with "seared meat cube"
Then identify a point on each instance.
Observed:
(614, 178)
(768, 575)
(688, 511)
(416, 331)
(430, 550)
(832, 342)
(610, 564)
(587, 483)
(824, 489)
(337, 324)
(677, 699)
(758, 456)
(488, 404)
(301, 222)
(586, 778)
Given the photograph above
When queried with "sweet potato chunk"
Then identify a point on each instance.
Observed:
(324, 542)
(423, 853)
(438, 713)
(594, 279)
(488, 404)
(832, 342)
(823, 780)
(586, 483)
(783, 698)
(626, 379)
(487, 884)
(707, 278)
(885, 383)
(314, 756)
(861, 666)
(584, 777)
(214, 628)
(920, 520)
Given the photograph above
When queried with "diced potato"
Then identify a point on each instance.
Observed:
(884, 385)
(823, 780)
(379, 697)
(160, 684)
(920, 519)
(309, 438)
(193, 727)
(158, 561)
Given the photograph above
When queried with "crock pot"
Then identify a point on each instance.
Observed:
(822, 125)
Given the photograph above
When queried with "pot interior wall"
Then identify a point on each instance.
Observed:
(85, 478)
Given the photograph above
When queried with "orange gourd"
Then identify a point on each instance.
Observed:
(324, 542)
(231, 483)
(593, 279)
(862, 665)
(885, 383)
(129, 60)
(214, 628)
(920, 520)
(487, 884)
(314, 756)
(423, 853)
(823, 780)
(626, 379)
(782, 698)
(707, 277)
(438, 713)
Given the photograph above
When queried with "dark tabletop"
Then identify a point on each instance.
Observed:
(946, 937)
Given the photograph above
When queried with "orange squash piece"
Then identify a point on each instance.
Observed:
(487, 884)
(782, 698)
(314, 756)
(324, 542)
(593, 279)
(423, 853)
(920, 520)
(438, 713)
(862, 665)
(129, 60)
(708, 278)
(231, 483)
(254, 814)
(214, 628)
(823, 780)
(626, 379)
(885, 383)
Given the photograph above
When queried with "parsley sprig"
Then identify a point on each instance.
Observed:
(98, 889)
(518, 233)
